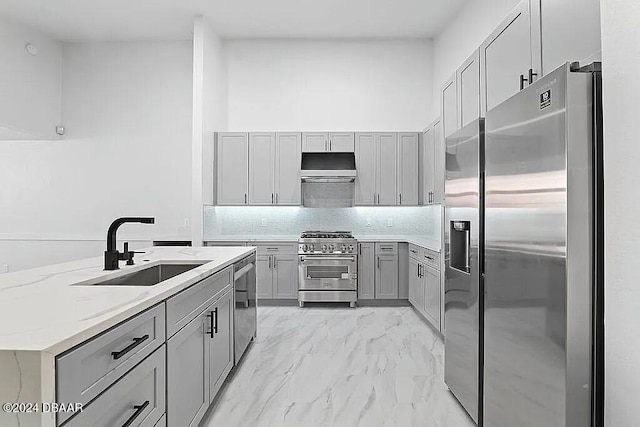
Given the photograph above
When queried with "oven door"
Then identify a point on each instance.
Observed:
(328, 272)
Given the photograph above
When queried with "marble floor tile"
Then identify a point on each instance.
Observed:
(319, 366)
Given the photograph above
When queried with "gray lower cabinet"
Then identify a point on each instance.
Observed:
(137, 399)
(188, 373)
(264, 277)
(277, 270)
(366, 271)
(199, 358)
(386, 276)
(285, 276)
(378, 272)
(431, 279)
(220, 343)
(416, 285)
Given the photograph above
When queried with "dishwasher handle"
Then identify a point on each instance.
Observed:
(244, 270)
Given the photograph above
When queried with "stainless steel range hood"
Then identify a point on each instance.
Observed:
(328, 167)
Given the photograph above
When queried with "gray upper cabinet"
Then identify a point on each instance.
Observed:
(274, 168)
(220, 316)
(366, 271)
(262, 150)
(468, 81)
(318, 142)
(342, 142)
(378, 165)
(439, 162)
(432, 169)
(232, 168)
(287, 169)
(449, 106)
(510, 57)
(387, 169)
(579, 41)
(315, 142)
(366, 158)
(408, 169)
(427, 165)
(188, 373)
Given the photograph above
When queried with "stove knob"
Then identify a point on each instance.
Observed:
(331, 248)
(344, 248)
(324, 248)
(305, 248)
(311, 248)
(351, 248)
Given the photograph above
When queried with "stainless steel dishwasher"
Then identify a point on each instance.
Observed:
(244, 314)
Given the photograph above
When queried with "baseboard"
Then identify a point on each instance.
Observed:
(383, 303)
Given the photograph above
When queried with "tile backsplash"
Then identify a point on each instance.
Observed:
(422, 221)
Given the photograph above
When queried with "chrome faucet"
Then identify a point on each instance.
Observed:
(111, 255)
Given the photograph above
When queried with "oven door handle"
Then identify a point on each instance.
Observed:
(326, 258)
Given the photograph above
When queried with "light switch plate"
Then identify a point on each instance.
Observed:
(390, 222)
(5, 268)
(263, 222)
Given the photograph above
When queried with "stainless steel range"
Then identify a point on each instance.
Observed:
(328, 267)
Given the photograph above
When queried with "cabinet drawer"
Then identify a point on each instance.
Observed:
(185, 306)
(276, 248)
(386, 248)
(415, 252)
(431, 258)
(86, 371)
(137, 398)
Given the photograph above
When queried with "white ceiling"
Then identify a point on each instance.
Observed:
(112, 20)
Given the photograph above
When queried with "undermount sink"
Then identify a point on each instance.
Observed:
(149, 276)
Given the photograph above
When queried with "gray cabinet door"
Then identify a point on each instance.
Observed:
(387, 169)
(315, 142)
(468, 76)
(264, 277)
(449, 109)
(288, 159)
(342, 142)
(188, 374)
(366, 149)
(579, 41)
(233, 168)
(262, 148)
(285, 276)
(414, 279)
(428, 165)
(408, 169)
(506, 55)
(366, 271)
(220, 316)
(431, 283)
(439, 162)
(386, 276)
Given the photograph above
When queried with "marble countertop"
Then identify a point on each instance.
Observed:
(53, 308)
(422, 241)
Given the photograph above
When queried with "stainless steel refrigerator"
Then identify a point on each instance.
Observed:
(523, 279)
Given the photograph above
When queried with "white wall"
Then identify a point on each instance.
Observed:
(209, 116)
(621, 60)
(30, 86)
(127, 151)
(471, 26)
(329, 85)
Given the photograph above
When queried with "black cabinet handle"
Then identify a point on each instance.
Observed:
(139, 409)
(531, 75)
(211, 329)
(136, 342)
(429, 257)
(522, 80)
